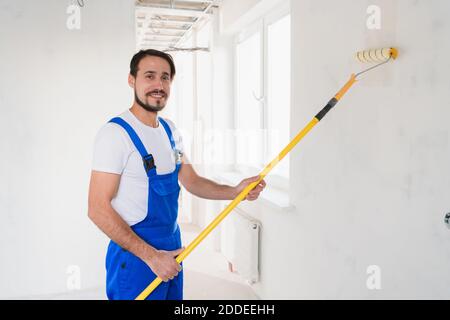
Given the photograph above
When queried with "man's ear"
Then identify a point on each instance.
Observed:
(131, 80)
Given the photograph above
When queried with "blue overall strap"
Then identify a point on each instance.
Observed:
(172, 143)
(133, 135)
(168, 131)
(149, 162)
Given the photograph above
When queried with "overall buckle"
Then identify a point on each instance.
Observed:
(178, 155)
(149, 162)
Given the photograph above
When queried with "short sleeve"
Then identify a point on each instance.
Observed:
(111, 149)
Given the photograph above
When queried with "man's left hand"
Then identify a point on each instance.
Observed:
(254, 193)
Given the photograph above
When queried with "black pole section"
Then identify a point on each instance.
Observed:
(327, 108)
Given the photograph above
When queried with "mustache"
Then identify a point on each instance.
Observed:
(156, 91)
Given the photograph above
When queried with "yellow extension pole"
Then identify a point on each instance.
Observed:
(144, 294)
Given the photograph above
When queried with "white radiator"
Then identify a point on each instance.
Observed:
(240, 244)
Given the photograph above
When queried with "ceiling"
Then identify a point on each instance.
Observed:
(165, 24)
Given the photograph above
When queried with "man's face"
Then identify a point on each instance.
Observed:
(152, 83)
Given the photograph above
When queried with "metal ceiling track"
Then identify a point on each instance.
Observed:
(166, 24)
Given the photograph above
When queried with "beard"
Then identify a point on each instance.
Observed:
(149, 107)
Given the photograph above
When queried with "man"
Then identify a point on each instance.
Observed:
(133, 193)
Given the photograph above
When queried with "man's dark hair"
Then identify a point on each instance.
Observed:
(151, 52)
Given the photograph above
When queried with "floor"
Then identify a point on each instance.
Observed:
(205, 271)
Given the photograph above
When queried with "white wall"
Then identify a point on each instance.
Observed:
(371, 182)
(57, 87)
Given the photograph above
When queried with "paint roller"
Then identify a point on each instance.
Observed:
(379, 56)
(376, 55)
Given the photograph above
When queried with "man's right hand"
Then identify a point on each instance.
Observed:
(164, 265)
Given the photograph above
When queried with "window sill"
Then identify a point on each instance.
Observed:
(272, 197)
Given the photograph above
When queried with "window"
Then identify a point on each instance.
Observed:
(249, 139)
(263, 90)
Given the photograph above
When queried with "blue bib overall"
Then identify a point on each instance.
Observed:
(127, 275)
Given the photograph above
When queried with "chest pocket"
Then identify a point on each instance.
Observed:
(165, 185)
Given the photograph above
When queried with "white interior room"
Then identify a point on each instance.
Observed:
(355, 211)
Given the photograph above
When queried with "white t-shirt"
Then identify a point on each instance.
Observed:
(114, 152)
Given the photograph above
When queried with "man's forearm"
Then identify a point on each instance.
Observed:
(112, 224)
(208, 189)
